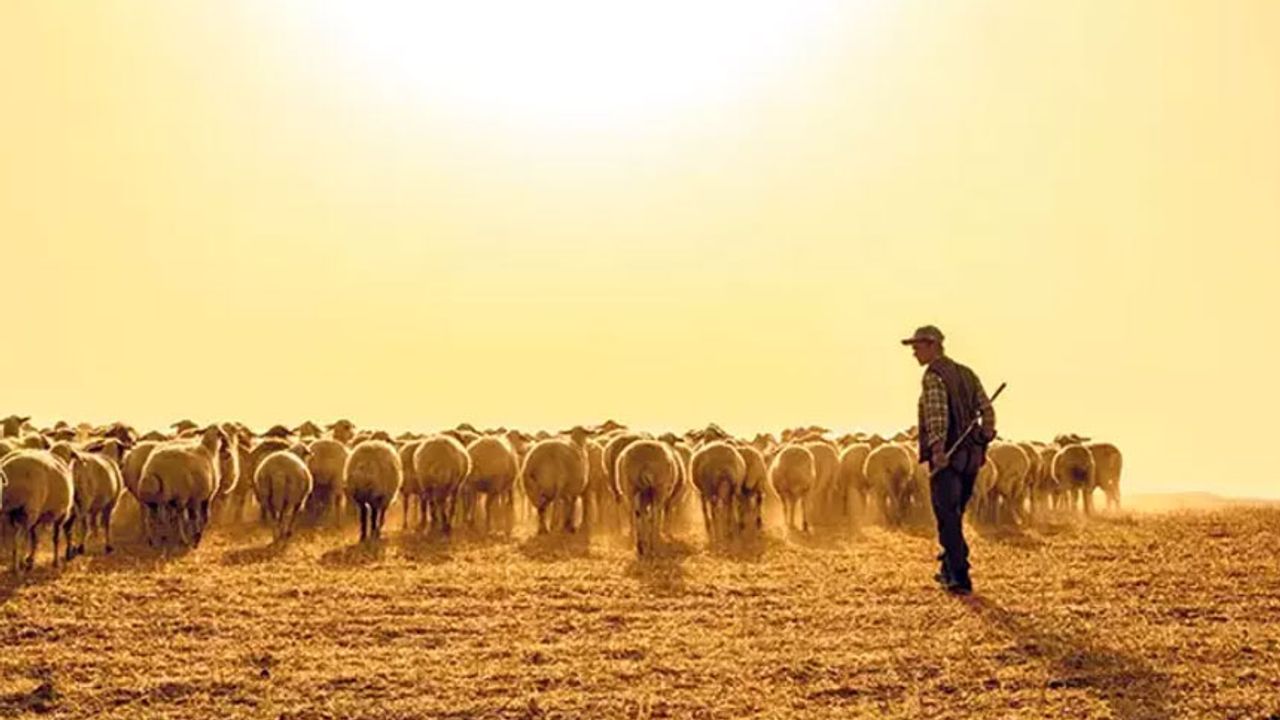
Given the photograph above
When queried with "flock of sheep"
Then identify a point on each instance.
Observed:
(606, 477)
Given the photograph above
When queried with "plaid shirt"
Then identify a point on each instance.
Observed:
(933, 407)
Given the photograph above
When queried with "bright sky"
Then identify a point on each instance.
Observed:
(664, 213)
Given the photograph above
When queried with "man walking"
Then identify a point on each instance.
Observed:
(951, 399)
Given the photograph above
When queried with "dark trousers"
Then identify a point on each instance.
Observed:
(950, 491)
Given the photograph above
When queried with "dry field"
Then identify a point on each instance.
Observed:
(1151, 616)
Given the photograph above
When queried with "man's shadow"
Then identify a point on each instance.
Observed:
(1128, 685)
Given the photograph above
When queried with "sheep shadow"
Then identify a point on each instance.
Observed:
(1128, 685)
(357, 555)
(134, 558)
(12, 583)
(661, 574)
(556, 546)
(254, 555)
(819, 538)
(433, 548)
(747, 548)
(1008, 535)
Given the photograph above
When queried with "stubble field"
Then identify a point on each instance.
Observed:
(1146, 616)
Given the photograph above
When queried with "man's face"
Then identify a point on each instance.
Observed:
(925, 351)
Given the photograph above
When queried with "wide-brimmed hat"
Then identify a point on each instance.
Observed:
(926, 333)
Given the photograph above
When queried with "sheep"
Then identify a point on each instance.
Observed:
(34, 441)
(183, 477)
(327, 461)
(851, 482)
(750, 498)
(374, 475)
(494, 468)
(344, 431)
(1046, 492)
(97, 485)
(718, 472)
(1012, 472)
(922, 484)
(612, 449)
(229, 474)
(441, 464)
(131, 474)
(984, 485)
(282, 482)
(599, 507)
(647, 477)
(308, 430)
(11, 427)
(1074, 469)
(554, 475)
(683, 454)
(1107, 462)
(250, 456)
(890, 472)
(793, 472)
(826, 464)
(38, 491)
(409, 487)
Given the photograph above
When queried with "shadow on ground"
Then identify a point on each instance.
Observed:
(1130, 687)
(556, 546)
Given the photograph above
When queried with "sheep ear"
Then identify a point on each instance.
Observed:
(96, 446)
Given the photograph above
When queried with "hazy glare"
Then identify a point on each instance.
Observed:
(227, 211)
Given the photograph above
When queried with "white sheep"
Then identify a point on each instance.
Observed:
(718, 472)
(98, 483)
(38, 491)
(851, 482)
(891, 474)
(599, 506)
(554, 476)
(12, 426)
(135, 459)
(282, 482)
(441, 464)
(183, 477)
(327, 461)
(793, 472)
(494, 467)
(1074, 469)
(824, 497)
(410, 488)
(374, 476)
(750, 499)
(922, 484)
(648, 480)
(1107, 462)
(1012, 469)
(250, 455)
(1046, 492)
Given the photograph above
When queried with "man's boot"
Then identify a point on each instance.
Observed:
(943, 576)
(960, 584)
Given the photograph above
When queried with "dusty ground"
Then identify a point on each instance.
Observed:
(1150, 617)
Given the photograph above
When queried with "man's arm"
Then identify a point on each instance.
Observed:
(935, 415)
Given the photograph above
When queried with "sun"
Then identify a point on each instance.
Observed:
(571, 63)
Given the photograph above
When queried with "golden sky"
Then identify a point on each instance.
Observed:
(272, 211)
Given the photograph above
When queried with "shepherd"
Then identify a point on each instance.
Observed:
(951, 399)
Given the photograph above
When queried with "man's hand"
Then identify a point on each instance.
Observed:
(937, 457)
(986, 434)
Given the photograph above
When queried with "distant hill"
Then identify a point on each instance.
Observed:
(1167, 502)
